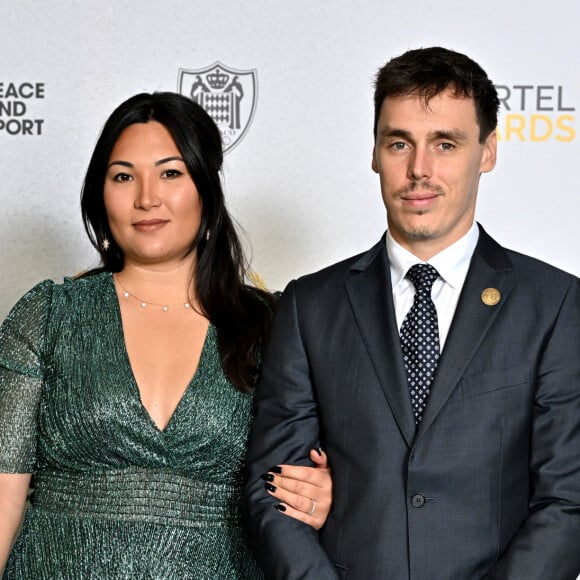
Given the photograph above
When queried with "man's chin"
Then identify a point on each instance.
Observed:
(422, 233)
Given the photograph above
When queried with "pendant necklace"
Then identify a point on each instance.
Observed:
(143, 304)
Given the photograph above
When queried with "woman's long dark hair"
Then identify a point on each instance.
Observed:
(241, 314)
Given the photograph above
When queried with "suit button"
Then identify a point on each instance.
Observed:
(418, 500)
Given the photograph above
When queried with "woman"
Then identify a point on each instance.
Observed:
(138, 467)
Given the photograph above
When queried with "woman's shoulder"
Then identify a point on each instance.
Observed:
(37, 298)
(26, 321)
(44, 295)
(78, 294)
(86, 282)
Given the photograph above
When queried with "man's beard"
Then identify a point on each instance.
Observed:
(420, 233)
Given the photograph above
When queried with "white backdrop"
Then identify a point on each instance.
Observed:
(299, 181)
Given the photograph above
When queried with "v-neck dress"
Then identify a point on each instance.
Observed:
(112, 495)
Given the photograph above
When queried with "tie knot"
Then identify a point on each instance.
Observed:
(423, 276)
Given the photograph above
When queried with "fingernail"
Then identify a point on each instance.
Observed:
(267, 477)
(280, 507)
(318, 450)
(270, 487)
(276, 469)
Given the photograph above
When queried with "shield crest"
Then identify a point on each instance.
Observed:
(228, 95)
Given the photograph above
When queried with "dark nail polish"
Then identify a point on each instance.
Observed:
(276, 469)
(280, 507)
(267, 477)
(270, 487)
(318, 450)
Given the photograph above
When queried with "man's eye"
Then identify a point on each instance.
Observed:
(447, 146)
(398, 146)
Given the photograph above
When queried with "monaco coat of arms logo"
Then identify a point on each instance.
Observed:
(228, 95)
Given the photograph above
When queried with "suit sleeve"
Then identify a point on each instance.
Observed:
(285, 428)
(548, 543)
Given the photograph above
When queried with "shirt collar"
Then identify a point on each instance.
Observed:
(452, 263)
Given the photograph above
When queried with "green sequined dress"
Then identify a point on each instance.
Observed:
(113, 496)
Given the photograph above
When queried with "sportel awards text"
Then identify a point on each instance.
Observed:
(15, 99)
(543, 113)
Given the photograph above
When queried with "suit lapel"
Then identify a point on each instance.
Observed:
(370, 295)
(490, 268)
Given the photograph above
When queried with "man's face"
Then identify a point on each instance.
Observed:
(429, 161)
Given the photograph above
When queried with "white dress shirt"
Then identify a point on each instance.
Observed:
(452, 265)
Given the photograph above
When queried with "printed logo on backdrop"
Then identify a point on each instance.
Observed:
(17, 101)
(228, 95)
(536, 113)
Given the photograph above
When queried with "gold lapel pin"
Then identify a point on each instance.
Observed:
(490, 296)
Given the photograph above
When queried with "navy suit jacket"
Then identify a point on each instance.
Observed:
(488, 486)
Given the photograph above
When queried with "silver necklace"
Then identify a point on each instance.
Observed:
(143, 304)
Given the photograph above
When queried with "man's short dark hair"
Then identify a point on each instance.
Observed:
(427, 72)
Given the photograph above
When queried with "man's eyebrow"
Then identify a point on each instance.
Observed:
(391, 132)
(453, 135)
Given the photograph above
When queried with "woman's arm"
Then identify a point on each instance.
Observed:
(22, 338)
(13, 493)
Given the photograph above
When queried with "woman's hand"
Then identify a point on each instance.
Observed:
(305, 493)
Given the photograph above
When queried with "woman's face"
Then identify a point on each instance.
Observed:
(152, 203)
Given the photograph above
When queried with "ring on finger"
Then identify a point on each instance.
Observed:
(312, 508)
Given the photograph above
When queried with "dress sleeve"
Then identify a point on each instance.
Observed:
(21, 377)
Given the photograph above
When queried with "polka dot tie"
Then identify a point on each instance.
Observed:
(420, 338)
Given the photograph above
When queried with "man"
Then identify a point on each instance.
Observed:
(447, 394)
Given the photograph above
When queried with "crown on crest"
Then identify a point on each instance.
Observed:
(217, 79)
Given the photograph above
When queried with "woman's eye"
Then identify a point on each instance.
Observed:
(122, 177)
(172, 173)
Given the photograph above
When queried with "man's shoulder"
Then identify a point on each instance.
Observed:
(533, 265)
(523, 265)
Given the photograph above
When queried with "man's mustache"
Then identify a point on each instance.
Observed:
(420, 186)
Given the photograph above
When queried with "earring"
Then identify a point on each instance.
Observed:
(105, 244)
(207, 235)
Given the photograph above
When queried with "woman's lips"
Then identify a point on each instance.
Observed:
(150, 225)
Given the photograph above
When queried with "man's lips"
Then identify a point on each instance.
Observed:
(419, 200)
